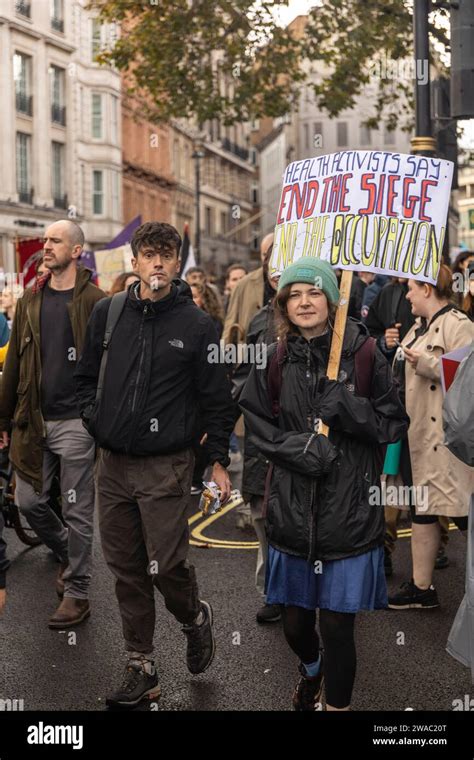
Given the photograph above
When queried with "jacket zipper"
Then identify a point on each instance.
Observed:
(310, 488)
(140, 364)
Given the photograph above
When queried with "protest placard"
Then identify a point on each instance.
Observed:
(109, 263)
(370, 211)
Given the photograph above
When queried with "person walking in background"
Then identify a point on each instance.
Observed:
(261, 334)
(468, 301)
(461, 267)
(442, 483)
(233, 275)
(4, 338)
(389, 318)
(373, 285)
(205, 298)
(38, 408)
(122, 282)
(8, 302)
(248, 296)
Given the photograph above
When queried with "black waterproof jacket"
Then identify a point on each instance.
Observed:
(389, 307)
(261, 331)
(318, 506)
(157, 379)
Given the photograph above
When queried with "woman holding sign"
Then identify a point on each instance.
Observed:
(324, 531)
(442, 485)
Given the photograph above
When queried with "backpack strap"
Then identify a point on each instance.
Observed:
(113, 315)
(274, 377)
(364, 360)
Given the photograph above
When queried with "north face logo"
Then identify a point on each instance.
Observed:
(176, 343)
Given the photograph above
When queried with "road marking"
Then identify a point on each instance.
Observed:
(216, 543)
(199, 539)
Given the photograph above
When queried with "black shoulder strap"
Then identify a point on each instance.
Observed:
(364, 360)
(274, 377)
(113, 315)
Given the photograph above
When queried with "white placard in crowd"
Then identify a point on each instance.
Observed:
(370, 211)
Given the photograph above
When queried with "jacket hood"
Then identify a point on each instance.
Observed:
(180, 293)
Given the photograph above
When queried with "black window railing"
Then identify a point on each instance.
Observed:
(60, 201)
(24, 103)
(232, 147)
(23, 7)
(26, 196)
(58, 114)
(57, 24)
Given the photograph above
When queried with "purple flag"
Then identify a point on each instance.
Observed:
(125, 235)
(87, 259)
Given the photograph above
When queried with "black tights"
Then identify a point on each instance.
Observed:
(337, 633)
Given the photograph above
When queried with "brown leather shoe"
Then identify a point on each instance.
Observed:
(70, 612)
(59, 579)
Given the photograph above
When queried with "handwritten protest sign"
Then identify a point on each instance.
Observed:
(111, 262)
(370, 211)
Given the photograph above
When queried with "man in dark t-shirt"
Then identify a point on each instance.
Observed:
(38, 408)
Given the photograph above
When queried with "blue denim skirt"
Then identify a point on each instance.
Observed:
(342, 585)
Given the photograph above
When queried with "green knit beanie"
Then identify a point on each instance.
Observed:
(314, 272)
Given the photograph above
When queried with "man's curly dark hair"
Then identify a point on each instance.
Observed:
(158, 235)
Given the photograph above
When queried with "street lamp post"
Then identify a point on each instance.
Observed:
(423, 142)
(197, 155)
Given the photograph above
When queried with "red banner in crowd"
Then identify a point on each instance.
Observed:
(27, 256)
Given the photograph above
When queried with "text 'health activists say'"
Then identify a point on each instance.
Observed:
(365, 210)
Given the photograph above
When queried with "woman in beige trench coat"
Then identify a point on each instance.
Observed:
(442, 484)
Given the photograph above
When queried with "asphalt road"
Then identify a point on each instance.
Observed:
(253, 669)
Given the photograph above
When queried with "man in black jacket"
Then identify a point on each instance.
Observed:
(389, 317)
(157, 376)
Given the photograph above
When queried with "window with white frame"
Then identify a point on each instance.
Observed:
(97, 192)
(116, 195)
(306, 136)
(22, 77)
(58, 108)
(365, 135)
(57, 174)
(341, 130)
(97, 38)
(97, 116)
(388, 136)
(317, 134)
(23, 160)
(57, 15)
(114, 119)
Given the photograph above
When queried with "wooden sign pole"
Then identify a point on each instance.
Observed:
(338, 333)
